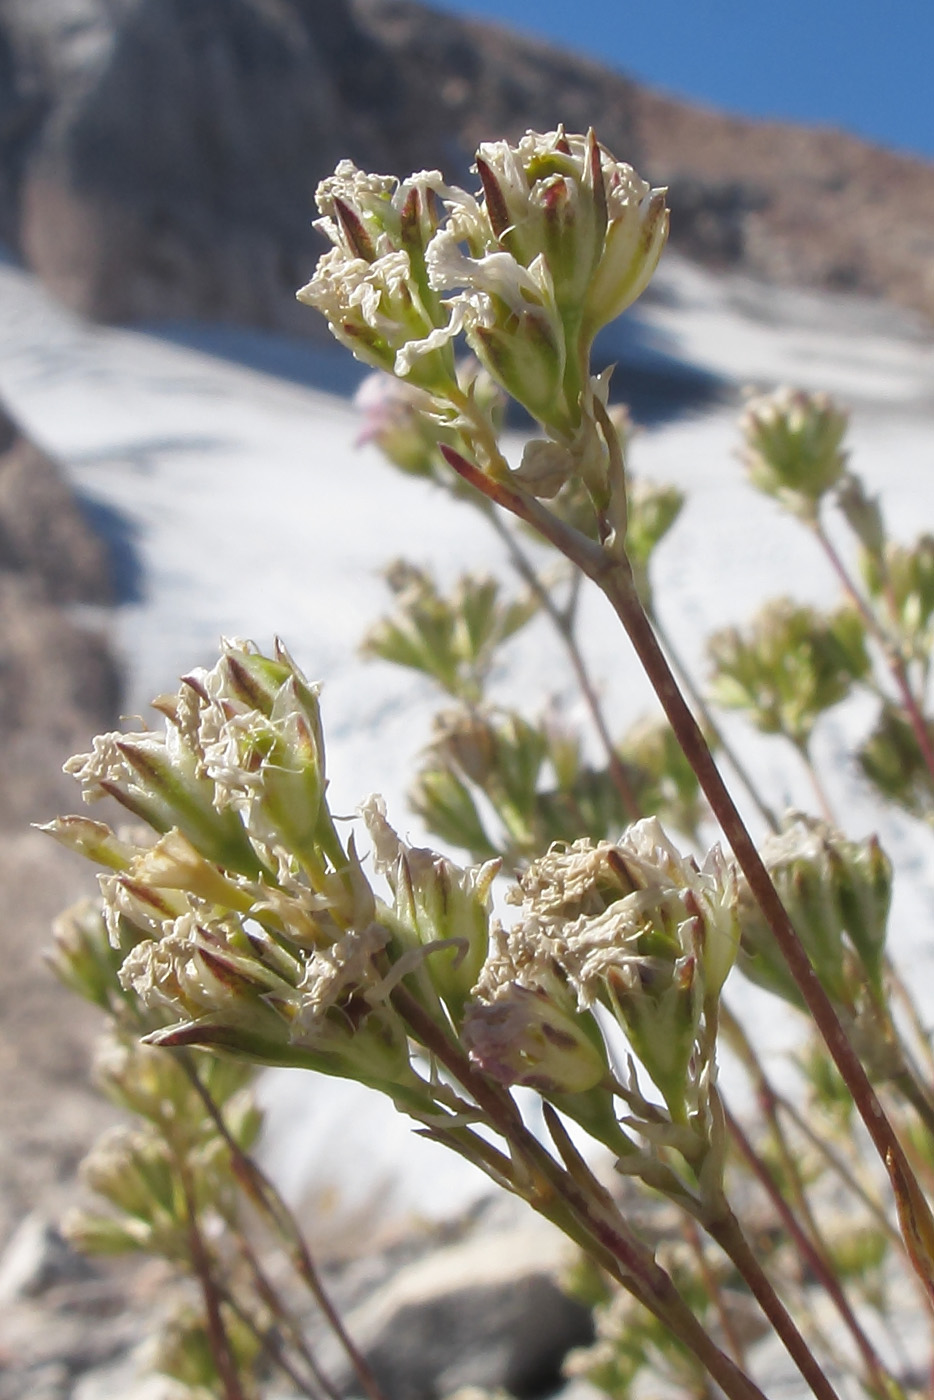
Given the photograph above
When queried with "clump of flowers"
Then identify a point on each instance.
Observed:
(793, 447)
(241, 916)
(558, 241)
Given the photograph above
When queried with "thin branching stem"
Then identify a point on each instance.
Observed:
(613, 576)
(714, 1290)
(890, 651)
(703, 710)
(564, 626)
(273, 1302)
(584, 1211)
(821, 1267)
(921, 1031)
(820, 792)
(265, 1195)
(218, 1338)
(728, 1233)
(271, 1344)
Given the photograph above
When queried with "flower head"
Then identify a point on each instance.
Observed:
(792, 447)
(637, 927)
(599, 227)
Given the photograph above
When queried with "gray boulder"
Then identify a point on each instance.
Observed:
(488, 1312)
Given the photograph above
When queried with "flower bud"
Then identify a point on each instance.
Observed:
(862, 513)
(396, 418)
(892, 760)
(446, 806)
(789, 666)
(82, 956)
(525, 1037)
(652, 509)
(90, 1233)
(903, 576)
(837, 893)
(93, 840)
(158, 778)
(436, 902)
(793, 447)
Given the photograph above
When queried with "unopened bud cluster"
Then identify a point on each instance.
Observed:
(838, 893)
(793, 447)
(789, 666)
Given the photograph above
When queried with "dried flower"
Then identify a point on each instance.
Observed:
(635, 926)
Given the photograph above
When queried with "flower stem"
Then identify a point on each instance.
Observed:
(581, 1208)
(218, 1339)
(565, 630)
(893, 656)
(614, 577)
(816, 1259)
(265, 1195)
(729, 1236)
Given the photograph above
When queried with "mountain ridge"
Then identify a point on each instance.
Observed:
(158, 158)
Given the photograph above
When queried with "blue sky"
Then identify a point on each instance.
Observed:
(864, 65)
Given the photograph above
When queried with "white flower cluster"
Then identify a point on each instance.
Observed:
(244, 919)
(595, 909)
(560, 240)
(635, 927)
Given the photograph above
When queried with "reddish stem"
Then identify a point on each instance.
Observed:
(819, 1266)
(893, 657)
(614, 577)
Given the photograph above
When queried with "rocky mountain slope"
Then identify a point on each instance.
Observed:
(158, 157)
(59, 682)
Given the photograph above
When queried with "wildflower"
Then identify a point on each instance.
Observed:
(597, 224)
(837, 893)
(437, 906)
(159, 778)
(793, 447)
(372, 286)
(640, 928)
(560, 240)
